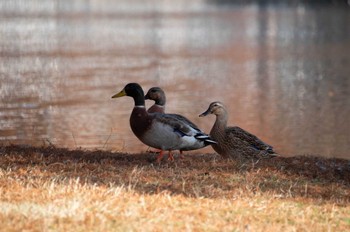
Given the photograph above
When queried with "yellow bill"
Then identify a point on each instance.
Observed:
(120, 94)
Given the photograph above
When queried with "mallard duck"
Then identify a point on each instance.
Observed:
(234, 142)
(161, 131)
(158, 96)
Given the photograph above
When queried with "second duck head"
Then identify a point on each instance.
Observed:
(217, 108)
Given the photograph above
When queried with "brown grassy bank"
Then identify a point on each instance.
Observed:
(55, 189)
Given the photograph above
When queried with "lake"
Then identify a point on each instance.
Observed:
(283, 71)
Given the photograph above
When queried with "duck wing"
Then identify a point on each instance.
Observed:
(178, 125)
(185, 120)
(249, 138)
(184, 127)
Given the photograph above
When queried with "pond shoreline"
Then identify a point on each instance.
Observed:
(331, 169)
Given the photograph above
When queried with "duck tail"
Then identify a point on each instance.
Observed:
(205, 138)
(273, 155)
(269, 153)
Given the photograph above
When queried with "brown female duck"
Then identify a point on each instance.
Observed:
(162, 131)
(234, 142)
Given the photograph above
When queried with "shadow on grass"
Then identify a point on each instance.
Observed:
(206, 175)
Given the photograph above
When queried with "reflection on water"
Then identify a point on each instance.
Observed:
(282, 71)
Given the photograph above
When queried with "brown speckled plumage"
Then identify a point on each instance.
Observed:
(234, 142)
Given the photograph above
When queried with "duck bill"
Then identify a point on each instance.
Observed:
(205, 113)
(146, 97)
(120, 94)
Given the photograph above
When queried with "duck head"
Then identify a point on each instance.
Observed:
(216, 108)
(133, 90)
(156, 94)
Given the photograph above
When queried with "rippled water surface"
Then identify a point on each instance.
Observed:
(283, 71)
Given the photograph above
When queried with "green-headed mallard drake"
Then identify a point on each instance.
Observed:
(161, 131)
(234, 142)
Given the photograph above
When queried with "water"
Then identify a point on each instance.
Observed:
(283, 71)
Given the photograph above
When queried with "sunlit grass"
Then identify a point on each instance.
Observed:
(49, 189)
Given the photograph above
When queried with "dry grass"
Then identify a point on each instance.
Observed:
(51, 189)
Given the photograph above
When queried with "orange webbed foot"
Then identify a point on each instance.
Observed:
(170, 156)
(160, 156)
